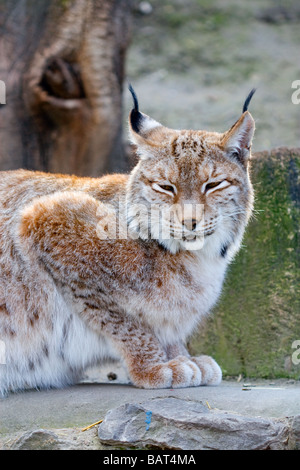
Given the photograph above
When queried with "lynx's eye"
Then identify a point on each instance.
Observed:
(164, 188)
(211, 185)
(214, 185)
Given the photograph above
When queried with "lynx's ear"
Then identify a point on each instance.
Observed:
(237, 141)
(145, 132)
(139, 122)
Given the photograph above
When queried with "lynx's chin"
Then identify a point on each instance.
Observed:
(174, 246)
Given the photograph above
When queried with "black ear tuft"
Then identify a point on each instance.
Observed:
(248, 99)
(135, 100)
(135, 116)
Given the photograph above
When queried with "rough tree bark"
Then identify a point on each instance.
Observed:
(63, 65)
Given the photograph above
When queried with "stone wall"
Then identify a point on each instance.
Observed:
(252, 329)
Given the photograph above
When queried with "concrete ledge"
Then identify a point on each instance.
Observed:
(64, 412)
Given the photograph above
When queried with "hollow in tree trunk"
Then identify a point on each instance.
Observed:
(62, 62)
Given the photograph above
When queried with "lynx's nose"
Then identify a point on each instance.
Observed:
(191, 215)
(190, 224)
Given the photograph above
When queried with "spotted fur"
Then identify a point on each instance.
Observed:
(70, 296)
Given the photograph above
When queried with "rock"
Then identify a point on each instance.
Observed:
(190, 425)
(296, 432)
(40, 439)
(55, 439)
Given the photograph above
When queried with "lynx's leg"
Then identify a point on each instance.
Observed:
(145, 358)
(211, 373)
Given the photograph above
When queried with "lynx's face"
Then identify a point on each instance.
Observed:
(190, 189)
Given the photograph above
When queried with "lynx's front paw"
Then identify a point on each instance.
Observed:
(176, 373)
(210, 370)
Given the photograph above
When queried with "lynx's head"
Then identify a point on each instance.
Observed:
(190, 189)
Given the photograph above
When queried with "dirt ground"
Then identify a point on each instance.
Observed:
(193, 62)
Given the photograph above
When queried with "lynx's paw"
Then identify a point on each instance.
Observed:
(211, 372)
(179, 372)
(184, 372)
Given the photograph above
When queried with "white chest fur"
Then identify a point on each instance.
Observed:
(175, 309)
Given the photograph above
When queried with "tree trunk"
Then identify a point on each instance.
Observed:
(62, 62)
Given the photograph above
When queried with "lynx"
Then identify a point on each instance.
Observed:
(72, 295)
